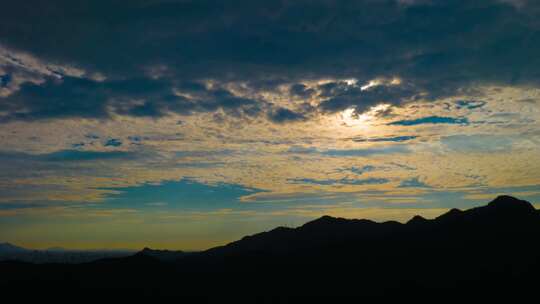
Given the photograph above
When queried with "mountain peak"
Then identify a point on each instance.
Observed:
(325, 219)
(163, 255)
(506, 202)
(417, 219)
(451, 215)
(502, 207)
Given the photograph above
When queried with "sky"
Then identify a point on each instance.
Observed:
(186, 124)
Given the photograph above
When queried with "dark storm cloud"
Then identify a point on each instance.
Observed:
(281, 115)
(5, 80)
(340, 95)
(78, 97)
(301, 90)
(72, 97)
(438, 48)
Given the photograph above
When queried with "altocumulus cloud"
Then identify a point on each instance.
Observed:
(362, 152)
(478, 143)
(343, 181)
(149, 58)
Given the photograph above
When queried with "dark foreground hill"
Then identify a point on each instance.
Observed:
(487, 251)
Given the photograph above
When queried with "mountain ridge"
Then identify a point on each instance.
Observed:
(332, 228)
(162, 255)
(481, 251)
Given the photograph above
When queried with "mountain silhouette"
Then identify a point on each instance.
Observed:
(10, 252)
(162, 255)
(417, 220)
(504, 212)
(487, 251)
(7, 248)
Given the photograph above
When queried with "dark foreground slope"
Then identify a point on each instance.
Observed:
(486, 251)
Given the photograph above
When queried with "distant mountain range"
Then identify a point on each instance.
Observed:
(10, 252)
(7, 248)
(487, 251)
(163, 255)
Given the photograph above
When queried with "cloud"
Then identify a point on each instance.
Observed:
(85, 98)
(477, 143)
(338, 96)
(18, 68)
(113, 142)
(431, 120)
(302, 150)
(204, 153)
(367, 151)
(282, 115)
(414, 182)
(350, 152)
(261, 45)
(301, 90)
(385, 139)
(470, 104)
(157, 204)
(5, 80)
(343, 181)
(360, 170)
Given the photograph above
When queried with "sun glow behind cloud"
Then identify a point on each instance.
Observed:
(353, 119)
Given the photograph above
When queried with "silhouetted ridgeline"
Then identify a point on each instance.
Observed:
(486, 251)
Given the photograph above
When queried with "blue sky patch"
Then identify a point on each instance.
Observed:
(431, 120)
(385, 139)
(75, 155)
(184, 194)
(367, 151)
